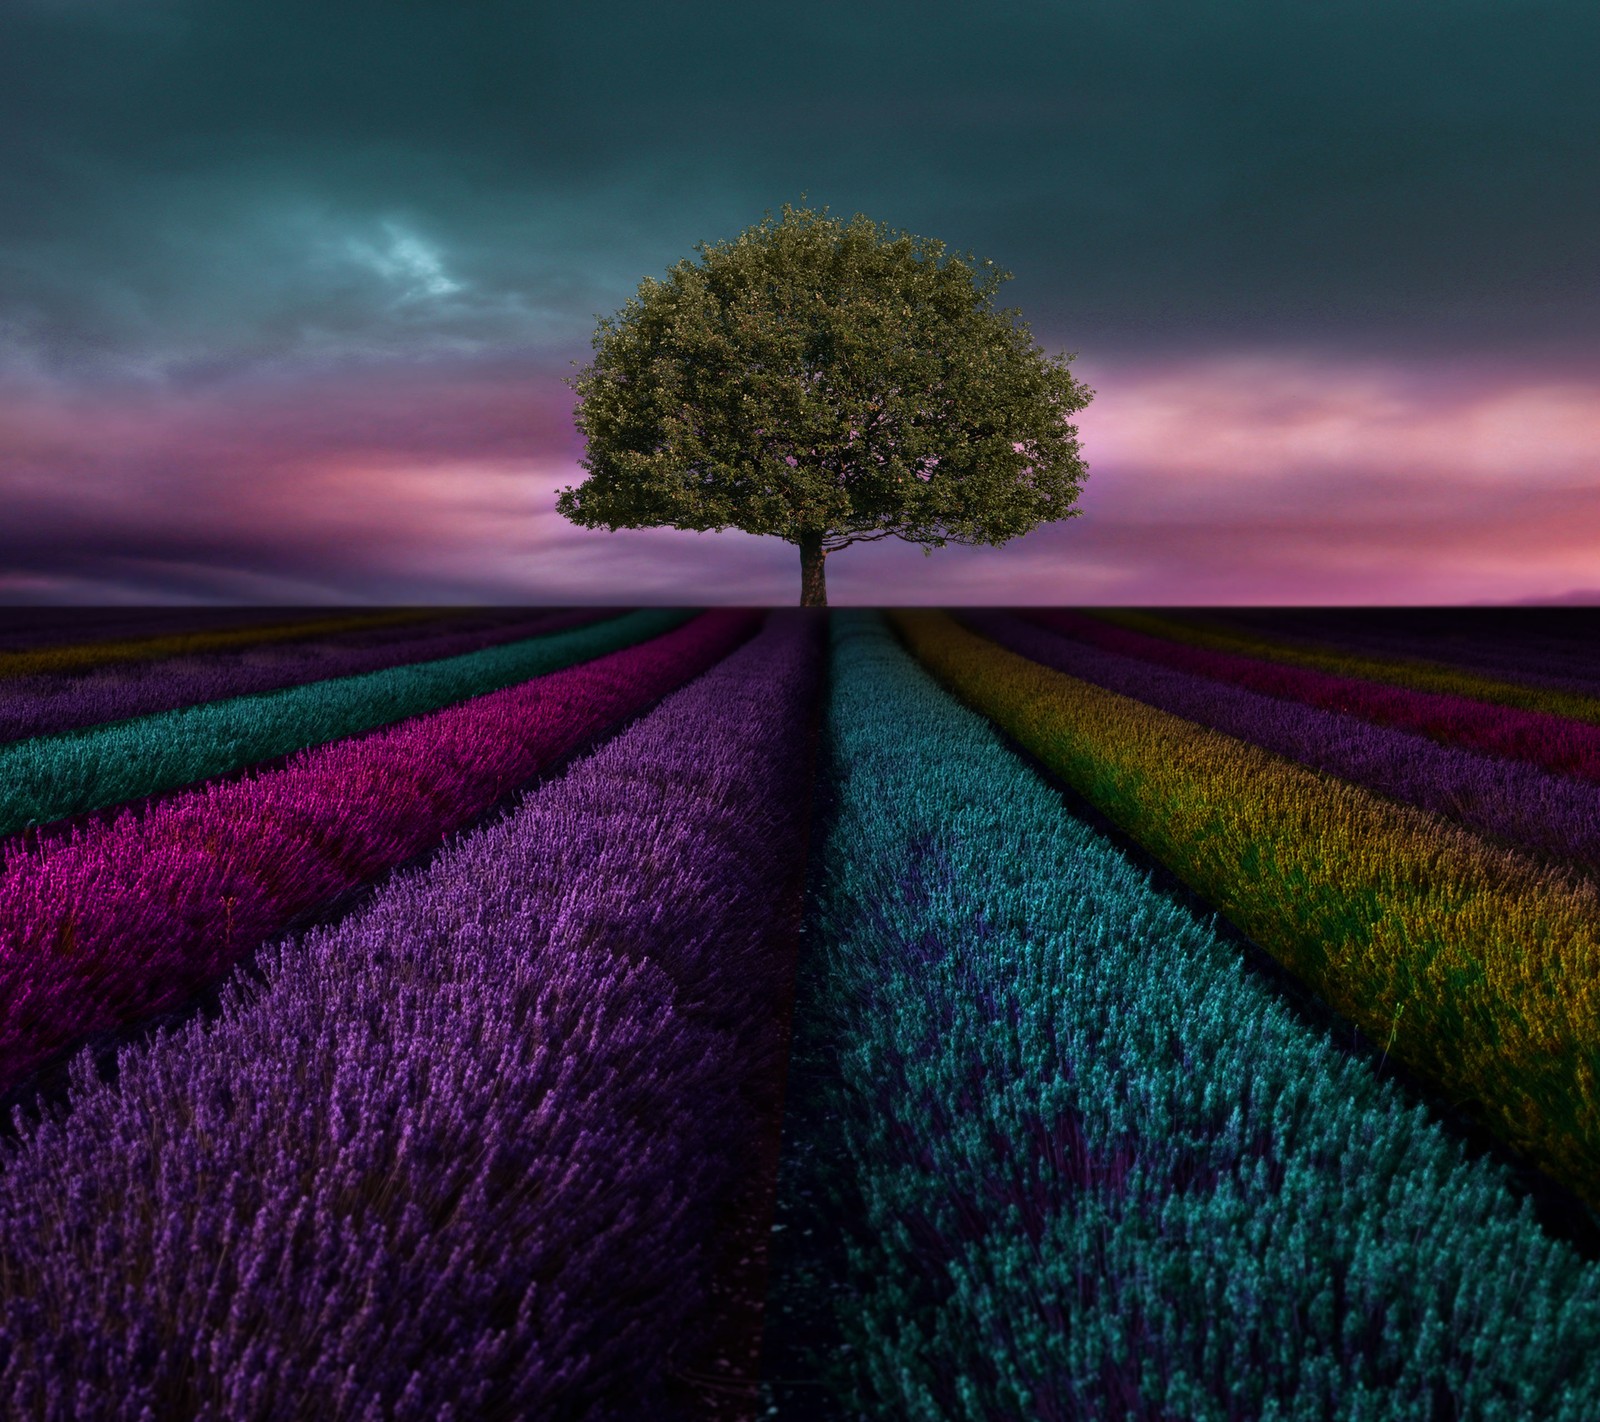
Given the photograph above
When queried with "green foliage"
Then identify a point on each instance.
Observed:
(822, 379)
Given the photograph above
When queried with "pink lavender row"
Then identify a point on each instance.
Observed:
(1553, 816)
(1558, 648)
(1537, 737)
(468, 1153)
(133, 916)
(48, 705)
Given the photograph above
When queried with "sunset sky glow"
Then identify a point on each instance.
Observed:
(284, 322)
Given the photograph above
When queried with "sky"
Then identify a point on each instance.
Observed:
(290, 289)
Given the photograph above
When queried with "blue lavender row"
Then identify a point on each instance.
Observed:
(1099, 1171)
(1527, 645)
(1512, 801)
(468, 1153)
(49, 704)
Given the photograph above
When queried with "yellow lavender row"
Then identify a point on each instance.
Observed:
(1478, 967)
(1415, 672)
(82, 655)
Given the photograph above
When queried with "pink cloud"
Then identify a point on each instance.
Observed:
(1283, 477)
(1251, 419)
(1289, 477)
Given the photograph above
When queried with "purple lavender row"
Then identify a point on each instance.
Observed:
(1527, 647)
(1542, 738)
(470, 1152)
(1520, 804)
(135, 915)
(47, 705)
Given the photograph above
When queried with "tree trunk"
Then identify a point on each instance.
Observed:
(813, 583)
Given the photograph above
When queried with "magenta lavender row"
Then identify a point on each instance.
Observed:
(48, 705)
(1522, 645)
(469, 1152)
(1520, 804)
(135, 915)
(1539, 738)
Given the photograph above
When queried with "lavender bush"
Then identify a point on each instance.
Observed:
(463, 1155)
(1538, 737)
(1093, 1168)
(1549, 647)
(1553, 816)
(49, 704)
(130, 917)
(51, 777)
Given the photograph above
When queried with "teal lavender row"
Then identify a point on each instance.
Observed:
(1101, 1172)
(48, 703)
(137, 916)
(475, 1151)
(52, 777)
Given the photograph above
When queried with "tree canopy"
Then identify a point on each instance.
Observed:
(826, 384)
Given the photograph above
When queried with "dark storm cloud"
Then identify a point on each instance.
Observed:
(185, 176)
(287, 290)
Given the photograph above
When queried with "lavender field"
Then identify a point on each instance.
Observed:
(675, 1013)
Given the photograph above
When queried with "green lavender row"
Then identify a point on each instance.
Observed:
(51, 777)
(1101, 1171)
(1479, 963)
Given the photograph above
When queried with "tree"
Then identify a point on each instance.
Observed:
(826, 385)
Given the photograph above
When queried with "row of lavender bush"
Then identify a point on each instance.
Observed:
(133, 916)
(70, 658)
(1540, 738)
(49, 704)
(1103, 1172)
(51, 777)
(467, 1154)
(1552, 647)
(1454, 685)
(1554, 816)
(32, 628)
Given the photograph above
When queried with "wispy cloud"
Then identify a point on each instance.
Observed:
(408, 262)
